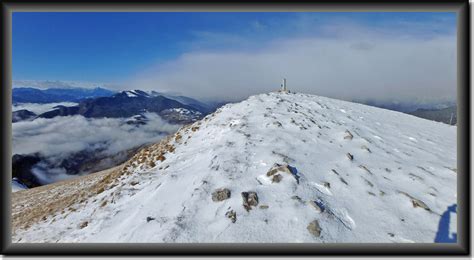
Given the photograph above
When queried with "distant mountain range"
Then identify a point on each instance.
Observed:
(446, 115)
(440, 112)
(101, 102)
(131, 103)
(34, 95)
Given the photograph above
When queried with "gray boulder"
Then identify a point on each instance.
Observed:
(220, 194)
(314, 228)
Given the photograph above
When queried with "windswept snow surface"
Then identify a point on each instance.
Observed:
(401, 179)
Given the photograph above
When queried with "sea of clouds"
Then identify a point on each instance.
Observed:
(58, 138)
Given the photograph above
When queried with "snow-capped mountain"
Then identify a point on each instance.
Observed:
(128, 104)
(276, 167)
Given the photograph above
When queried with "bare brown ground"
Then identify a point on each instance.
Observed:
(32, 205)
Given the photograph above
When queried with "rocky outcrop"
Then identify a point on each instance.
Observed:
(249, 199)
(314, 228)
(220, 195)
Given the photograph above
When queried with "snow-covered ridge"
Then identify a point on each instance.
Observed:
(184, 111)
(136, 93)
(275, 168)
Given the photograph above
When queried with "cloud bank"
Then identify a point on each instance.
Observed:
(351, 66)
(59, 138)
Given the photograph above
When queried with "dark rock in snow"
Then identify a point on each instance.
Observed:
(348, 135)
(283, 168)
(277, 178)
(148, 219)
(278, 168)
(366, 148)
(295, 197)
(231, 215)
(416, 202)
(249, 199)
(314, 228)
(220, 194)
(350, 156)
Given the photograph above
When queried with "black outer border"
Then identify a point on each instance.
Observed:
(463, 247)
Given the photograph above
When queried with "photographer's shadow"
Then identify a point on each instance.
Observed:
(443, 236)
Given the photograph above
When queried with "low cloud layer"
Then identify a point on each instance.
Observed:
(58, 138)
(352, 66)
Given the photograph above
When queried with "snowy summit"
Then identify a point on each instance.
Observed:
(277, 167)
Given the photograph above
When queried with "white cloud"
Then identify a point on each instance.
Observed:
(61, 136)
(58, 138)
(366, 65)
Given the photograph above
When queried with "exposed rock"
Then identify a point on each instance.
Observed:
(416, 202)
(315, 206)
(231, 215)
(220, 194)
(84, 224)
(277, 178)
(249, 199)
(283, 168)
(264, 206)
(278, 168)
(343, 181)
(327, 185)
(366, 148)
(419, 203)
(350, 156)
(295, 197)
(348, 135)
(314, 228)
(148, 219)
(366, 169)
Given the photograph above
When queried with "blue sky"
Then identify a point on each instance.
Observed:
(111, 46)
(121, 47)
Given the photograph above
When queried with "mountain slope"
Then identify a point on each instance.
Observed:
(347, 173)
(127, 104)
(446, 115)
